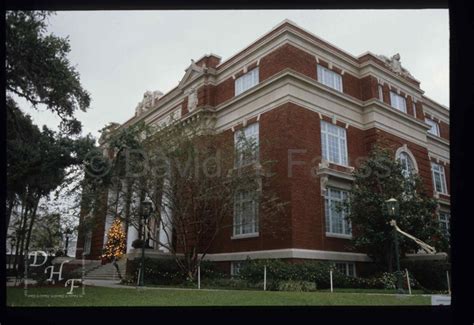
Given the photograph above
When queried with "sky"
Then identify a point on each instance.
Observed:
(121, 54)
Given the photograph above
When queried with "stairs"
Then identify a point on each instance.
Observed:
(107, 271)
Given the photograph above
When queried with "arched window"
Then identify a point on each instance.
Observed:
(407, 160)
(407, 164)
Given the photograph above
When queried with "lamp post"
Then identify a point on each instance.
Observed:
(67, 232)
(147, 209)
(392, 211)
(12, 246)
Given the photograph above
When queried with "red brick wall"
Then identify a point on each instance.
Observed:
(410, 106)
(210, 61)
(421, 153)
(98, 230)
(351, 85)
(419, 111)
(224, 91)
(444, 130)
(368, 88)
(386, 94)
(287, 56)
(206, 95)
(184, 107)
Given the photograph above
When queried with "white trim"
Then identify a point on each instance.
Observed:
(404, 149)
(289, 253)
(336, 235)
(249, 235)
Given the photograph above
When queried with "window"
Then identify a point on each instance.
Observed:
(434, 126)
(444, 222)
(329, 78)
(346, 268)
(408, 167)
(414, 110)
(246, 145)
(398, 102)
(246, 81)
(336, 220)
(439, 179)
(235, 267)
(380, 93)
(245, 213)
(333, 143)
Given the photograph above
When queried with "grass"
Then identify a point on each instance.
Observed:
(98, 296)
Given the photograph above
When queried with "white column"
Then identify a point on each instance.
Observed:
(132, 234)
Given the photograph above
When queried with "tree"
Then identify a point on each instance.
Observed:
(379, 178)
(187, 170)
(38, 163)
(115, 246)
(37, 68)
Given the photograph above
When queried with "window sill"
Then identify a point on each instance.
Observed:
(243, 236)
(329, 234)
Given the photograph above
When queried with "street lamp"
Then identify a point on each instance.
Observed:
(67, 232)
(147, 209)
(392, 211)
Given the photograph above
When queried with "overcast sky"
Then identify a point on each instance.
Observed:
(121, 54)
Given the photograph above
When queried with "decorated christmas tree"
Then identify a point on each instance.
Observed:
(115, 245)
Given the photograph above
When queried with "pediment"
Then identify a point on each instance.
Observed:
(192, 72)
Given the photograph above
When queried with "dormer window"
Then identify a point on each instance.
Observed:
(246, 81)
(398, 102)
(329, 78)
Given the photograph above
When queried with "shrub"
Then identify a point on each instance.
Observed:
(431, 275)
(296, 286)
(233, 283)
(316, 272)
(209, 270)
(157, 271)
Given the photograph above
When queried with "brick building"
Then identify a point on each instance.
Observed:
(325, 108)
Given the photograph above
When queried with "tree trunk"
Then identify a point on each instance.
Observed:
(22, 231)
(10, 205)
(32, 221)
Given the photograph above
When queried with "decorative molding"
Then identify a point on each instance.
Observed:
(405, 149)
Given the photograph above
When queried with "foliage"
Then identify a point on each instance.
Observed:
(188, 173)
(430, 275)
(157, 271)
(167, 271)
(38, 163)
(378, 179)
(115, 246)
(296, 286)
(314, 272)
(37, 67)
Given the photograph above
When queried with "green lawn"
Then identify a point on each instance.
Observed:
(97, 296)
